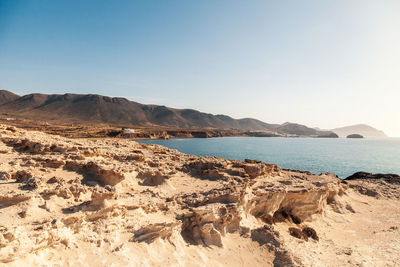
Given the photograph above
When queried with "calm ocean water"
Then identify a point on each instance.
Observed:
(340, 156)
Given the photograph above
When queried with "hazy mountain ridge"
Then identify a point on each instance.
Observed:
(362, 129)
(118, 110)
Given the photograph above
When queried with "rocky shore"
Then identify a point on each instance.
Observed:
(103, 202)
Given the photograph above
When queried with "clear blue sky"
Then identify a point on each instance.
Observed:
(321, 63)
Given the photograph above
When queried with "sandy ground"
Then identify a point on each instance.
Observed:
(112, 202)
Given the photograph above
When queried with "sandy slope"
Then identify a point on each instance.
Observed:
(110, 202)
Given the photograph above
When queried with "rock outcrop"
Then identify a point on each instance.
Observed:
(96, 172)
(152, 232)
(375, 185)
(206, 227)
(146, 204)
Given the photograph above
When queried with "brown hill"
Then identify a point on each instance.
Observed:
(302, 130)
(117, 110)
(6, 97)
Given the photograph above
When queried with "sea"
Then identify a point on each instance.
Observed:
(341, 156)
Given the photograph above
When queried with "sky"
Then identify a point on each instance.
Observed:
(320, 63)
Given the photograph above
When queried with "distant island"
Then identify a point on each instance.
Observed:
(355, 136)
(362, 129)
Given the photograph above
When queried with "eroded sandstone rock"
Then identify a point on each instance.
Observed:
(103, 175)
(33, 147)
(209, 168)
(53, 163)
(100, 196)
(21, 176)
(152, 178)
(207, 227)
(303, 233)
(295, 206)
(4, 176)
(12, 199)
(230, 193)
(152, 232)
(214, 168)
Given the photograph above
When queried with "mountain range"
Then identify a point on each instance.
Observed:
(121, 111)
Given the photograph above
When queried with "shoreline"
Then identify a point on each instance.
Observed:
(102, 130)
(342, 157)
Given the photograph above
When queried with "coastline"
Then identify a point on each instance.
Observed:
(340, 156)
(80, 129)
